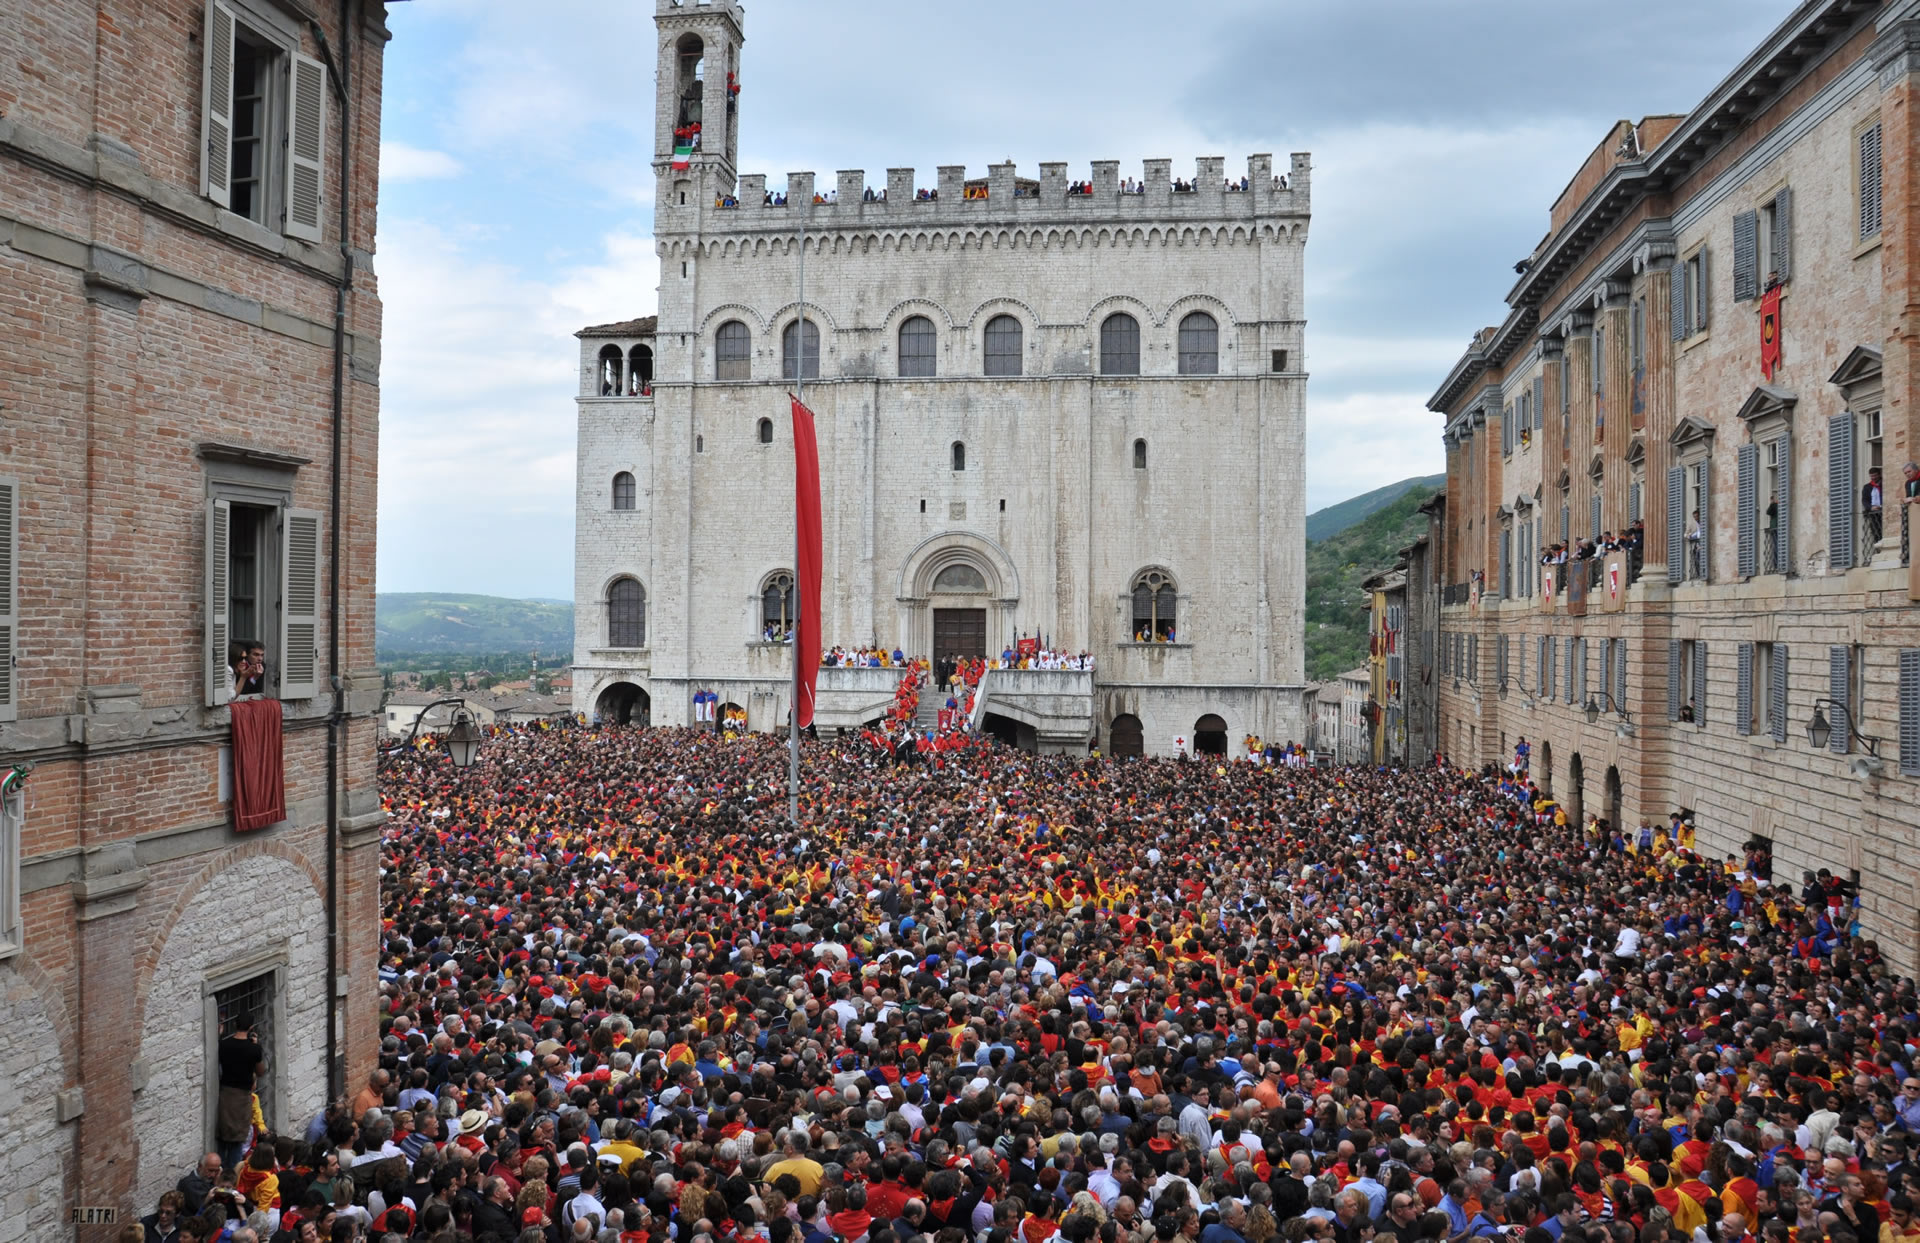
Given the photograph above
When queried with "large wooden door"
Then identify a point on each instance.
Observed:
(959, 632)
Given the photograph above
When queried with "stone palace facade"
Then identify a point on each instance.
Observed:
(1064, 408)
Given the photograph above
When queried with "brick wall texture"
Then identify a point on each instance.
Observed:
(143, 324)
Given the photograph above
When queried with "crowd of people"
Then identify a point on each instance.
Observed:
(989, 997)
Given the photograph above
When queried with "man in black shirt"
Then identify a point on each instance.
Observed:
(240, 1061)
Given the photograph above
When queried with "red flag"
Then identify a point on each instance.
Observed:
(1770, 332)
(806, 516)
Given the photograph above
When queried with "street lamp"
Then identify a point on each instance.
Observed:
(1820, 733)
(463, 738)
(1613, 705)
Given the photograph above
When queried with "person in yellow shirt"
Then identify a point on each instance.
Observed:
(795, 1161)
(622, 1145)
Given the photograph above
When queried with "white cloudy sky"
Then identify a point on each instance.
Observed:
(515, 204)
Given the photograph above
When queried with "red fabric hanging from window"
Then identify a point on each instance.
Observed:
(259, 769)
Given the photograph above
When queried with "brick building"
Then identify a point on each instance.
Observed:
(1063, 406)
(188, 376)
(1625, 386)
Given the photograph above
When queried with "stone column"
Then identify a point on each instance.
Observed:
(1655, 263)
(1895, 55)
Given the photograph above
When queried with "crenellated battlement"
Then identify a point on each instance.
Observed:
(1000, 197)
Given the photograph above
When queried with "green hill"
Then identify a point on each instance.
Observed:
(425, 621)
(1337, 564)
(1334, 519)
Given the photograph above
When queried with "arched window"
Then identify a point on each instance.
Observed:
(626, 614)
(776, 607)
(918, 341)
(1003, 345)
(766, 431)
(1139, 455)
(959, 455)
(1199, 345)
(1120, 345)
(610, 359)
(732, 352)
(623, 490)
(792, 350)
(699, 444)
(639, 370)
(1153, 608)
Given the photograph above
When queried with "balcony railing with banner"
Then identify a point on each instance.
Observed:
(1906, 537)
(1594, 574)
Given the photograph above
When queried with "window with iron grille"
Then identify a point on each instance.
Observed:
(1199, 344)
(918, 345)
(1002, 342)
(1120, 345)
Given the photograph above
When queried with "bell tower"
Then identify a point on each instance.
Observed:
(696, 99)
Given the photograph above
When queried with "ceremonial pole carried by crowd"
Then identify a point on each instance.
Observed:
(989, 997)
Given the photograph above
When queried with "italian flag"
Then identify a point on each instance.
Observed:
(682, 157)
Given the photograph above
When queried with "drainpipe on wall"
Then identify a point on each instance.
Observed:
(337, 713)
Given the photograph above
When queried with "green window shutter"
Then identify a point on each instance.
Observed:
(1783, 528)
(1782, 235)
(1677, 300)
(1550, 667)
(216, 107)
(306, 147)
(1746, 256)
(1777, 694)
(300, 612)
(1910, 712)
(1539, 402)
(1676, 523)
(1700, 683)
(9, 598)
(1839, 688)
(219, 532)
(1840, 491)
(1748, 458)
(1743, 696)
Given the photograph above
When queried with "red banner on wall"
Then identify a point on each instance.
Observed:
(806, 517)
(1770, 332)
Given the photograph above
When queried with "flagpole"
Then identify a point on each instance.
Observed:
(800, 395)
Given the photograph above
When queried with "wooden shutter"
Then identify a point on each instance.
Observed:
(1506, 564)
(1580, 691)
(219, 532)
(1743, 697)
(1840, 491)
(1700, 683)
(1748, 458)
(1782, 235)
(1550, 667)
(1676, 523)
(1839, 686)
(216, 106)
(300, 607)
(1777, 694)
(1574, 646)
(1633, 502)
(1869, 181)
(1620, 673)
(9, 598)
(1706, 519)
(1677, 301)
(1746, 256)
(1520, 655)
(306, 147)
(1500, 660)
(1783, 526)
(1673, 679)
(1566, 523)
(1910, 712)
(1704, 288)
(1606, 667)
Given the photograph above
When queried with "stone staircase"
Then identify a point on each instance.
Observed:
(927, 717)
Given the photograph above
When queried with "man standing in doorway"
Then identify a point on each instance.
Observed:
(241, 1060)
(1870, 501)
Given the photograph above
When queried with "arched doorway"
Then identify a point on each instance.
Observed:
(1014, 733)
(1210, 735)
(1545, 777)
(1616, 798)
(623, 703)
(730, 716)
(1126, 738)
(1576, 794)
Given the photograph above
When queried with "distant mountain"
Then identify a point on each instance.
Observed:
(426, 621)
(1339, 563)
(1336, 518)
